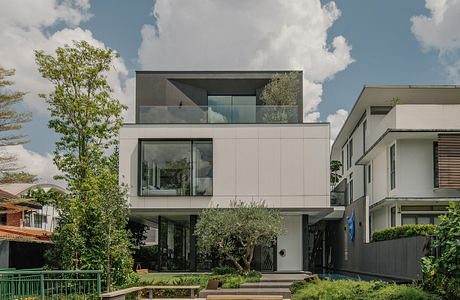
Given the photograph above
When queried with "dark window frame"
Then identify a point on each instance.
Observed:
(393, 167)
(435, 165)
(139, 163)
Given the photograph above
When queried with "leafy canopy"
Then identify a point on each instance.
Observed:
(82, 107)
(237, 230)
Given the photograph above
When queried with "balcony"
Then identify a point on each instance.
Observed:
(211, 114)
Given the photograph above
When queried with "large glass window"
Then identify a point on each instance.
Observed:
(231, 109)
(392, 167)
(176, 168)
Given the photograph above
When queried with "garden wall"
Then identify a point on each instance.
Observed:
(397, 259)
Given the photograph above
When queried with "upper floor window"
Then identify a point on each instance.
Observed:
(364, 135)
(343, 163)
(175, 167)
(349, 154)
(392, 167)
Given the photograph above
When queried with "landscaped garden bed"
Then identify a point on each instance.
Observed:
(357, 290)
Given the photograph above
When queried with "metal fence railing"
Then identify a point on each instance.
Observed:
(39, 284)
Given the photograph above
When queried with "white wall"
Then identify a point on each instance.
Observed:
(379, 219)
(285, 165)
(414, 170)
(379, 178)
(291, 241)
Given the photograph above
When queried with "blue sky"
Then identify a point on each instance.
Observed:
(340, 45)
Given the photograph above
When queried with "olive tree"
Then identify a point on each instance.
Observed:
(280, 94)
(237, 230)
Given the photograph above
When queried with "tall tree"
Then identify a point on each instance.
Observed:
(235, 232)
(10, 122)
(91, 233)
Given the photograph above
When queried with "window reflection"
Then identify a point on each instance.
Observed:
(176, 168)
(231, 109)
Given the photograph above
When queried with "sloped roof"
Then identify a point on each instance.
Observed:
(21, 233)
(21, 188)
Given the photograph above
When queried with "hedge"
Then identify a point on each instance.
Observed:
(402, 232)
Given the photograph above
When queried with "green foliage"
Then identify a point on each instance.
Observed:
(82, 108)
(223, 270)
(282, 90)
(10, 122)
(91, 232)
(359, 290)
(335, 166)
(237, 230)
(402, 232)
(138, 232)
(442, 274)
(297, 285)
(39, 195)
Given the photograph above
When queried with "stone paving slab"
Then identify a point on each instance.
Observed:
(282, 277)
(267, 284)
(285, 292)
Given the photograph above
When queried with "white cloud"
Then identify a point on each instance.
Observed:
(24, 27)
(439, 32)
(231, 35)
(336, 120)
(35, 163)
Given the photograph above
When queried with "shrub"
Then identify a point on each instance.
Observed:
(442, 274)
(223, 270)
(402, 232)
(297, 285)
(360, 290)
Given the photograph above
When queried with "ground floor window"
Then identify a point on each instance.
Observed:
(175, 167)
(420, 219)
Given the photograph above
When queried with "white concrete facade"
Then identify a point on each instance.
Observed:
(285, 165)
(412, 127)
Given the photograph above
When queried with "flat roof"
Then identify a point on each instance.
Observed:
(381, 95)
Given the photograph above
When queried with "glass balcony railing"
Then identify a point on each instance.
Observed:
(338, 199)
(217, 114)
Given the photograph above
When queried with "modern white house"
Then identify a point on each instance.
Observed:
(203, 139)
(400, 148)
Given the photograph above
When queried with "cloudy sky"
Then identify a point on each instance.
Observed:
(340, 46)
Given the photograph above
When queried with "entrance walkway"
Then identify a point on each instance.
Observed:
(270, 284)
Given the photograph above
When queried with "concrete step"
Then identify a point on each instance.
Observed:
(266, 284)
(282, 277)
(286, 293)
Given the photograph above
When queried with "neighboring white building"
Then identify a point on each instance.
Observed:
(44, 218)
(187, 162)
(403, 155)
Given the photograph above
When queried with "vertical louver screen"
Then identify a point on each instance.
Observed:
(449, 160)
